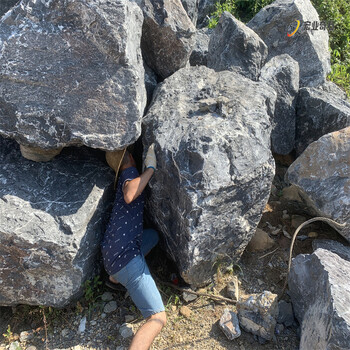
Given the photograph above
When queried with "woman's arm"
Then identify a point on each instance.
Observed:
(133, 188)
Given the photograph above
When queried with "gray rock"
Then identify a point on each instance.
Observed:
(199, 55)
(167, 35)
(318, 113)
(235, 47)
(69, 77)
(191, 8)
(107, 296)
(319, 286)
(52, 217)
(230, 325)
(285, 313)
(257, 314)
(322, 176)
(308, 48)
(6, 5)
(187, 296)
(211, 133)
(110, 307)
(282, 73)
(126, 330)
(333, 246)
(205, 8)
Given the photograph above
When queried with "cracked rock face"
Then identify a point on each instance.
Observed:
(319, 112)
(319, 285)
(72, 73)
(234, 46)
(167, 35)
(309, 48)
(212, 138)
(52, 218)
(282, 73)
(322, 176)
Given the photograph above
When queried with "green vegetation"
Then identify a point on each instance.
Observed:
(330, 11)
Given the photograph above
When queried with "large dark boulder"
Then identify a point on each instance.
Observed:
(282, 73)
(212, 139)
(308, 47)
(319, 287)
(319, 111)
(235, 47)
(322, 176)
(52, 217)
(167, 35)
(71, 73)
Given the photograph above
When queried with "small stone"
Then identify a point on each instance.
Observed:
(229, 324)
(120, 348)
(188, 296)
(312, 234)
(82, 325)
(15, 346)
(257, 314)
(126, 330)
(285, 216)
(110, 307)
(286, 234)
(173, 308)
(260, 282)
(232, 288)
(31, 347)
(65, 332)
(103, 316)
(129, 318)
(241, 347)
(276, 231)
(297, 220)
(260, 241)
(291, 193)
(107, 296)
(25, 336)
(185, 311)
(302, 237)
(93, 323)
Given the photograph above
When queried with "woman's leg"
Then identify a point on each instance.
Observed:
(150, 239)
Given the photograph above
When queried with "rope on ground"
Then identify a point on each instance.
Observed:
(319, 218)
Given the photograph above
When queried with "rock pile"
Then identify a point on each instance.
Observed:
(83, 72)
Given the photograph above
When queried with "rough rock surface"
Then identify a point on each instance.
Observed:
(319, 285)
(333, 246)
(6, 5)
(322, 176)
(229, 324)
(233, 46)
(68, 77)
(309, 48)
(282, 73)
(191, 8)
(212, 139)
(52, 218)
(199, 55)
(318, 113)
(167, 35)
(257, 314)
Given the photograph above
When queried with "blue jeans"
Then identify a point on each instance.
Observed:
(137, 279)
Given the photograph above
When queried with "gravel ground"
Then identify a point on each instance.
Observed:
(108, 321)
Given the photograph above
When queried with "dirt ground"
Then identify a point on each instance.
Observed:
(28, 327)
